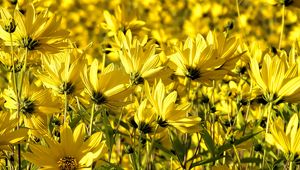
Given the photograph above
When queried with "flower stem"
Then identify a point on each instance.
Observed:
(66, 106)
(92, 119)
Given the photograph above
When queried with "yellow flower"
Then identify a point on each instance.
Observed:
(144, 118)
(168, 113)
(139, 59)
(8, 134)
(287, 141)
(276, 80)
(202, 60)
(35, 105)
(61, 72)
(72, 152)
(121, 22)
(109, 88)
(36, 32)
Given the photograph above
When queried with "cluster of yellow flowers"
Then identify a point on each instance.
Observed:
(100, 84)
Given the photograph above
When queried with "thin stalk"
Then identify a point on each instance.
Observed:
(282, 26)
(237, 155)
(151, 146)
(92, 119)
(66, 106)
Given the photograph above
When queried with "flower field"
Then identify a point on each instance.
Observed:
(149, 84)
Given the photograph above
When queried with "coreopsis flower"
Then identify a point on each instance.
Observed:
(139, 59)
(285, 139)
(144, 118)
(35, 105)
(61, 72)
(108, 88)
(203, 61)
(8, 134)
(36, 32)
(168, 113)
(72, 152)
(276, 79)
(121, 21)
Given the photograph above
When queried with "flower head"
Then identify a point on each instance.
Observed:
(72, 152)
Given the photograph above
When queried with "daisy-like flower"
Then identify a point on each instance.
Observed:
(61, 72)
(202, 60)
(35, 32)
(121, 21)
(168, 113)
(109, 88)
(72, 152)
(144, 118)
(277, 80)
(139, 59)
(35, 105)
(288, 140)
(8, 134)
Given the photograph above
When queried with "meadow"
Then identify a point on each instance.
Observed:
(149, 84)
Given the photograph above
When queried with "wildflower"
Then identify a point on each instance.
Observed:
(35, 105)
(71, 152)
(139, 59)
(167, 112)
(8, 134)
(144, 118)
(204, 61)
(61, 72)
(109, 88)
(287, 141)
(275, 70)
(36, 32)
(121, 22)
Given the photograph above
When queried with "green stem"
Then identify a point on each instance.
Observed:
(291, 165)
(92, 119)
(151, 146)
(66, 106)
(282, 26)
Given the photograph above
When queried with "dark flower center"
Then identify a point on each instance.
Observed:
(193, 73)
(67, 163)
(136, 78)
(98, 98)
(145, 128)
(66, 87)
(29, 43)
(27, 107)
(161, 122)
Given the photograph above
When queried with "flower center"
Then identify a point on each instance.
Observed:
(98, 98)
(29, 43)
(27, 107)
(193, 73)
(66, 87)
(67, 163)
(136, 79)
(161, 122)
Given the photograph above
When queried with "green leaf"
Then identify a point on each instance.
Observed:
(208, 141)
(251, 160)
(236, 142)
(177, 146)
(203, 162)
